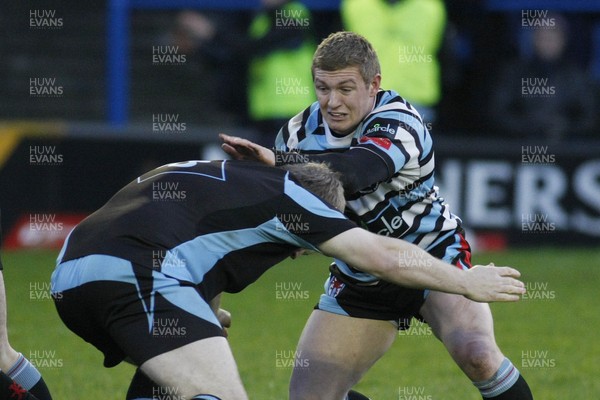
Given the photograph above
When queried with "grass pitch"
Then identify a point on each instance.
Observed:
(551, 335)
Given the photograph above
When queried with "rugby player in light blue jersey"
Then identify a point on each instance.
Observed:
(381, 147)
(137, 277)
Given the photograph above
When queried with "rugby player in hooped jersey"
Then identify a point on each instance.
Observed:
(379, 144)
(145, 262)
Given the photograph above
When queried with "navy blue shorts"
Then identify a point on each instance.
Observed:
(128, 311)
(381, 300)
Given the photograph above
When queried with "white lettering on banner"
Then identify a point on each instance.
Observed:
(453, 181)
(539, 189)
(498, 194)
(485, 198)
(586, 183)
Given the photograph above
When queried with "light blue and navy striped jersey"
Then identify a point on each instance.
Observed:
(389, 160)
(218, 224)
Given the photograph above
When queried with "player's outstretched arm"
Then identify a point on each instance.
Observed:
(405, 264)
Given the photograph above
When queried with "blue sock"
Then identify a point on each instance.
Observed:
(500, 382)
(29, 378)
(24, 373)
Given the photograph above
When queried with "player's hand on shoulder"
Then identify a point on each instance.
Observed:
(490, 283)
(243, 149)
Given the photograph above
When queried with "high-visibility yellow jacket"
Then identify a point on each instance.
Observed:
(406, 35)
(280, 82)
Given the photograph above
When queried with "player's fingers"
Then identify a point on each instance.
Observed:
(231, 151)
(228, 138)
(506, 297)
(224, 317)
(235, 141)
(515, 287)
(508, 271)
(239, 152)
(245, 147)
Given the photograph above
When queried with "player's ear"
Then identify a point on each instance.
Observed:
(375, 85)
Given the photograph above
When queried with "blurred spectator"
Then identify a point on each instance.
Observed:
(192, 30)
(407, 35)
(546, 96)
(281, 46)
(212, 42)
(475, 39)
(258, 64)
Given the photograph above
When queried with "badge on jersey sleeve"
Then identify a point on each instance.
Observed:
(334, 286)
(379, 141)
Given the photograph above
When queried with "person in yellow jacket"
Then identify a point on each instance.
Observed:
(279, 79)
(407, 35)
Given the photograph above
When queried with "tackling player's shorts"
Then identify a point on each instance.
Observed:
(129, 311)
(385, 301)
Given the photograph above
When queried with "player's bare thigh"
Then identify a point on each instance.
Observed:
(202, 367)
(336, 351)
(467, 330)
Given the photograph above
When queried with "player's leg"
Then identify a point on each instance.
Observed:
(14, 364)
(466, 329)
(8, 356)
(338, 350)
(203, 367)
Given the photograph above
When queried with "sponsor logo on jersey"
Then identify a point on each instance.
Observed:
(379, 128)
(389, 222)
(388, 226)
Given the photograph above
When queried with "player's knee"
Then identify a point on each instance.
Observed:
(479, 358)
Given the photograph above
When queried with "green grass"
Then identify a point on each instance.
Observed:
(552, 340)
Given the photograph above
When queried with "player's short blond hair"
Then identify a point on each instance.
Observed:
(347, 49)
(321, 180)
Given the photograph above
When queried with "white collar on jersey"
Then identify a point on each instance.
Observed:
(336, 141)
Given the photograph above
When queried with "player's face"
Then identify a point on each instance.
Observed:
(344, 97)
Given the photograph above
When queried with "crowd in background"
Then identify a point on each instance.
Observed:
(466, 69)
(469, 70)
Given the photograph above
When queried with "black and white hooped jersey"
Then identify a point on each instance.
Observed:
(388, 165)
(218, 224)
